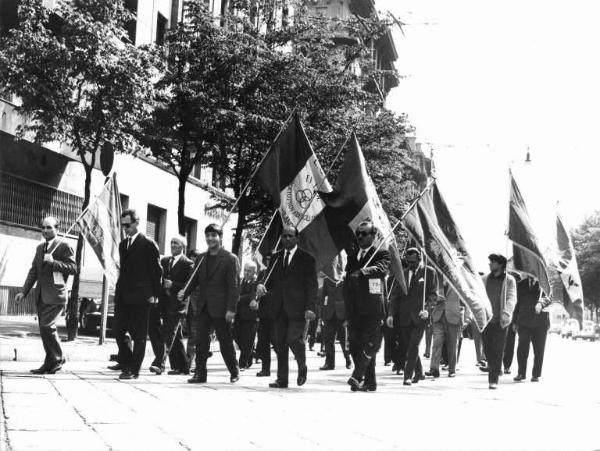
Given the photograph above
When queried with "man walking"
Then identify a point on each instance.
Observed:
(136, 291)
(246, 319)
(216, 286)
(364, 295)
(291, 295)
(502, 292)
(176, 270)
(51, 266)
(333, 314)
(411, 311)
(532, 323)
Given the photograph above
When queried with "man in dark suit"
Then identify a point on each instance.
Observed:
(333, 314)
(265, 334)
(364, 296)
(138, 288)
(216, 286)
(532, 324)
(291, 292)
(176, 271)
(246, 319)
(51, 266)
(412, 310)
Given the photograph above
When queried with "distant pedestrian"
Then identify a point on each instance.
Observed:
(246, 318)
(51, 266)
(502, 292)
(137, 290)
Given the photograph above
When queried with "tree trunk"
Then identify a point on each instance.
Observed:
(181, 204)
(73, 303)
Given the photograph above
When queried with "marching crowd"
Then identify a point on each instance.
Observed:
(285, 305)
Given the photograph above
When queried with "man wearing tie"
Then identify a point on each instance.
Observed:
(364, 295)
(137, 289)
(291, 295)
(215, 284)
(52, 264)
(411, 311)
(176, 269)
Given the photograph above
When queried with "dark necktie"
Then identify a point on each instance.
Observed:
(286, 261)
(128, 242)
(45, 247)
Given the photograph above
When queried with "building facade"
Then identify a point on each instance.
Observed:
(37, 181)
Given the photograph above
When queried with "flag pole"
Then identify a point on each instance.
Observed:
(425, 278)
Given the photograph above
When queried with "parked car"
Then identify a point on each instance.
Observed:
(587, 332)
(90, 315)
(570, 329)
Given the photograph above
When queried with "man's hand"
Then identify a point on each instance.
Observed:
(167, 283)
(48, 258)
(253, 304)
(261, 290)
(152, 300)
(538, 308)
(229, 316)
(355, 274)
(514, 327)
(390, 322)
(19, 297)
(423, 314)
(310, 315)
(345, 323)
(180, 295)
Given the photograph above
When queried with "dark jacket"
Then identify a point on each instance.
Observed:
(140, 272)
(365, 295)
(406, 307)
(219, 289)
(52, 289)
(528, 295)
(332, 301)
(247, 294)
(179, 275)
(295, 290)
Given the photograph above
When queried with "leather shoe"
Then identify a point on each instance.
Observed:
(197, 378)
(348, 364)
(176, 372)
(126, 374)
(156, 370)
(493, 386)
(263, 373)
(327, 367)
(302, 376)
(519, 378)
(278, 384)
(535, 379)
(354, 384)
(56, 366)
(117, 367)
(41, 370)
(234, 378)
(506, 370)
(369, 387)
(433, 373)
(452, 374)
(416, 379)
(407, 382)
(484, 369)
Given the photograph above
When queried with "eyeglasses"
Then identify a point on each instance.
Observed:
(359, 234)
(126, 225)
(46, 227)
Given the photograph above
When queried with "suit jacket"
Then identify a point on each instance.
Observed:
(292, 291)
(333, 294)
(527, 297)
(179, 275)
(448, 305)
(64, 262)
(365, 295)
(247, 294)
(139, 277)
(508, 299)
(408, 306)
(219, 288)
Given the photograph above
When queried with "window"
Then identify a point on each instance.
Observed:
(8, 16)
(161, 28)
(131, 26)
(156, 219)
(124, 201)
(191, 232)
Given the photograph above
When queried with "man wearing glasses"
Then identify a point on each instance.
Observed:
(52, 264)
(365, 305)
(138, 287)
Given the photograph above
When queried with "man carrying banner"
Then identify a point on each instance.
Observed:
(501, 289)
(412, 311)
(364, 295)
(291, 291)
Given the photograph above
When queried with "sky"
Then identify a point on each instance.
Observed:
(483, 82)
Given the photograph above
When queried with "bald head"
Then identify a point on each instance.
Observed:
(49, 225)
(249, 271)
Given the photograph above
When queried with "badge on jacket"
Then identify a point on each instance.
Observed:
(374, 286)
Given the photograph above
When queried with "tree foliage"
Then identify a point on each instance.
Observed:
(586, 240)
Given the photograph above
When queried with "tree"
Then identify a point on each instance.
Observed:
(586, 240)
(80, 81)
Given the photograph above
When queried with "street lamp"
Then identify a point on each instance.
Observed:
(528, 157)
